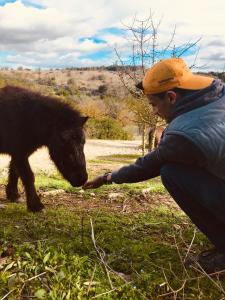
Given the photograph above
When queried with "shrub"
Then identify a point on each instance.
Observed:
(62, 91)
(106, 128)
(70, 81)
(101, 77)
(102, 89)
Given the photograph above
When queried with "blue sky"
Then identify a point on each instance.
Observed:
(25, 2)
(56, 33)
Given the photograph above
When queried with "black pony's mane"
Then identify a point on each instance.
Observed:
(63, 111)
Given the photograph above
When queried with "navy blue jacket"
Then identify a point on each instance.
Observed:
(174, 147)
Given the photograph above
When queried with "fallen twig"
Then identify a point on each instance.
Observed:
(189, 247)
(174, 292)
(6, 295)
(91, 280)
(181, 260)
(99, 295)
(36, 276)
(201, 270)
(100, 255)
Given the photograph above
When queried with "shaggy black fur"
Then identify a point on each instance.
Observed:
(28, 121)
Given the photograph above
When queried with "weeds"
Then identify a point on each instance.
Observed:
(90, 246)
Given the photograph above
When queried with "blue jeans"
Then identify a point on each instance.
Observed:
(201, 196)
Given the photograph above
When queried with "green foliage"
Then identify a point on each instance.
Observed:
(62, 91)
(55, 258)
(106, 128)
(134, 255)
(67, 90)
(53, 182)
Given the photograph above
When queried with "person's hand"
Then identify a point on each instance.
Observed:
(95, 183)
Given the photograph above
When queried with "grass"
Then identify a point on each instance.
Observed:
(119, 158)
(93, 249)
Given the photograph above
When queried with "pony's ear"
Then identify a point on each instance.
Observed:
(84, 120)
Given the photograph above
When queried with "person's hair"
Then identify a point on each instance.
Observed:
(140, 86)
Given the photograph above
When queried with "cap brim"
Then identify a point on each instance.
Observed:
(196, 82)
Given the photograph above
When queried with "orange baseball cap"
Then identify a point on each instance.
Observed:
(172, 73)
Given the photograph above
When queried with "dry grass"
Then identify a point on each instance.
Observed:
(86, 79)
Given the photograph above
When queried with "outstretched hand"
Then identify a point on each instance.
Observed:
(94, 184)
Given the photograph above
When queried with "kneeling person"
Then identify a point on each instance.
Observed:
(190, 157)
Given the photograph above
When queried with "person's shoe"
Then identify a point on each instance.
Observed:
(211, 261)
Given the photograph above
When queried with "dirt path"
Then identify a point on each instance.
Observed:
(93, 148)
(112, 201)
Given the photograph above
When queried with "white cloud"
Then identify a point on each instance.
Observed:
(53, 34)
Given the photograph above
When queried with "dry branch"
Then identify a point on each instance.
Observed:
(101, 255)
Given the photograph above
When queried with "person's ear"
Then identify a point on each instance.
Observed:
(172, 96)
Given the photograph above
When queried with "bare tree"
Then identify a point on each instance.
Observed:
(146, 49)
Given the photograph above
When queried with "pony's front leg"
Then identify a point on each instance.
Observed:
(11, 188)
(33, 201)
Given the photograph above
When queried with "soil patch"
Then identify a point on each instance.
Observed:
(88, 201)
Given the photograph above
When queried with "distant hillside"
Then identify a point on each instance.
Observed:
(90, 82)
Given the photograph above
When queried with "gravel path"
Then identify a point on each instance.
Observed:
(93, 148)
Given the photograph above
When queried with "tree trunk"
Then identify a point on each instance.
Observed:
(151, 138)
(143, 139)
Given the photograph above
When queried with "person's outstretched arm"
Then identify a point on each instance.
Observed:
(172, 148)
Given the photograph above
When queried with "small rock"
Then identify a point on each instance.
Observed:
(53, 192)
(113, 196)
(176, 226)
(147, 190)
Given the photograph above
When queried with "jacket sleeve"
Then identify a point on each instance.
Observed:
(172, 148)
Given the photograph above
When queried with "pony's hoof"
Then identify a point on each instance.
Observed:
(37, 207)
(13, 197)
(17, 200)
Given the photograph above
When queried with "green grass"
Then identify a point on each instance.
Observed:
(119, 158)
(55, 257)
(52, 255)
(52, 182)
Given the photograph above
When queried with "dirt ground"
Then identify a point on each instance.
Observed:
(87, 201)
(40, 161)
(118, 202)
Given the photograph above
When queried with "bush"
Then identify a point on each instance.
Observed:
(106, 128)
(62, 91)
(102, 89)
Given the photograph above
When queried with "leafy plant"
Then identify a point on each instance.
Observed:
(106, 128)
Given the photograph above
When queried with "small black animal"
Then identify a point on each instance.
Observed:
(28, 121)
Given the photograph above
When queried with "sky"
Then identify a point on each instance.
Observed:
(73, 33)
